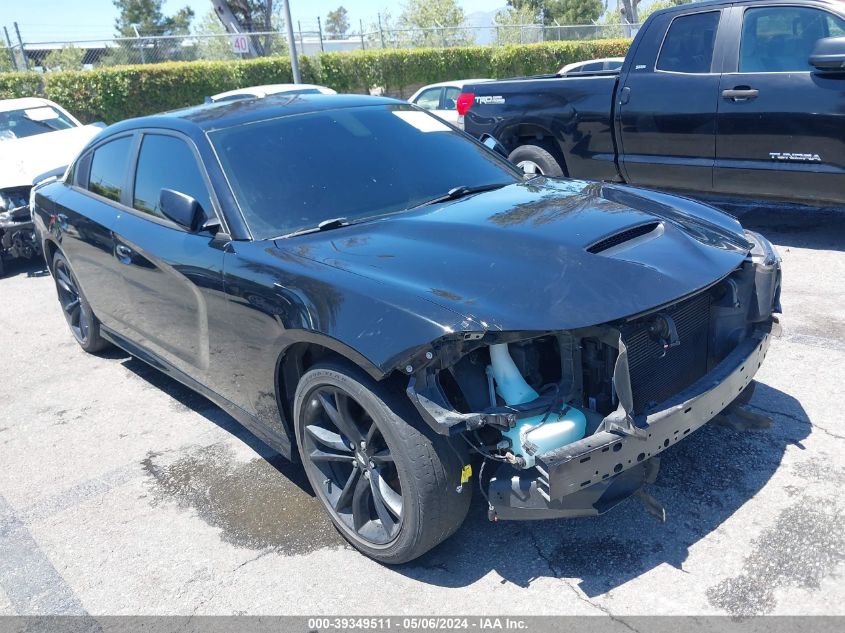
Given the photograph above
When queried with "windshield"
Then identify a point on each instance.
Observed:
(292, 173)
(31, 121)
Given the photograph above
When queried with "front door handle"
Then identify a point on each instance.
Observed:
(740, 93)
(124, 253)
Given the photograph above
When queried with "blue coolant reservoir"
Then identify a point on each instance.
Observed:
(558, 429)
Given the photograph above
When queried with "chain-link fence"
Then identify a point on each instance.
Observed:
(87, 54)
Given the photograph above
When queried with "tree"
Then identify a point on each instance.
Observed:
(629, 12)
(510, 23)
(435, 22)
(146, 16)
(65, 58)
(213, 41)
(5, 60)
(253, 16)
(337, 24)
(574, 11)
(139, 18)
(563, 11)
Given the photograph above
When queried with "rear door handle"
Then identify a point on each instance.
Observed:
(740, 93)
(124, 253)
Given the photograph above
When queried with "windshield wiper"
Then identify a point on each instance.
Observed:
(461, 191)
(325, 225)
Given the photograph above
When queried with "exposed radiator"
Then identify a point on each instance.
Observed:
(655, 377)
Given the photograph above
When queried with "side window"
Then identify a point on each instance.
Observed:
(592, 67)
(780, 39)
(81, 171)
(429, 99)
(688, 47)
(166, 162)
(450, 98)
(108, 168)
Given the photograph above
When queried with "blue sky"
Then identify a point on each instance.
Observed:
(42, 20)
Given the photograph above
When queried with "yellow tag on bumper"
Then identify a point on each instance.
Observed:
(466, 473)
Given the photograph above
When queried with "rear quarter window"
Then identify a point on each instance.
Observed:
(108, 168)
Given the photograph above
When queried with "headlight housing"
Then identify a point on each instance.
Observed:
(763, 251)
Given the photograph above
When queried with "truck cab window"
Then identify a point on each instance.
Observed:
(688, 47)
(780, 39)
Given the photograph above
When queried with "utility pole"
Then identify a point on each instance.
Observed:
(361, 24)
(294, 60)
(10, 49)
(23, 52)
(380, 30)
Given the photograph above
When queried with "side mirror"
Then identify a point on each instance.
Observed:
(829, 55)
(491, 143)
(99, 124)
(182, 209)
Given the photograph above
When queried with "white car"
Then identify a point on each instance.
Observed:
(441, 99)
(592, 66)
(37, 137)
(257, 92)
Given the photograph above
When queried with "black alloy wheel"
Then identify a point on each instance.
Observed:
(76, 309)
(346, 450)
(389, 483)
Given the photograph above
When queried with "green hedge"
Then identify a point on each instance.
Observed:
(20, 85)
(112, 94)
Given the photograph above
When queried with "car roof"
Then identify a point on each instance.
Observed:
(266, 89)
(223, 114)
(6, 105)
(721, 3)
(457, 83)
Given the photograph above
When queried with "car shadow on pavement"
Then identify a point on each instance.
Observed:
(702, 482)
(821, 229)
(34, 267)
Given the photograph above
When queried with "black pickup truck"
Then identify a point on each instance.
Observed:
(721, 98)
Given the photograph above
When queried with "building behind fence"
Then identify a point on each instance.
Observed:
(87, 54)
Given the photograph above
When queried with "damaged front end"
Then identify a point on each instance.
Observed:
(568, 423)
(17, 233)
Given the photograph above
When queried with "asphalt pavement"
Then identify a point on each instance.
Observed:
(122, 492)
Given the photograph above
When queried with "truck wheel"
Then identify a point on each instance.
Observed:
(543, 161)
(388, 482)
(78, 313)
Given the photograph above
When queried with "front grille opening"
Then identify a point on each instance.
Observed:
(622, 237)
(656, 376)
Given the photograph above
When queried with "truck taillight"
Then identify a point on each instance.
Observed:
(464, 102)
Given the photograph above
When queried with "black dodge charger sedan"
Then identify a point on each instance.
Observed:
(374, 293)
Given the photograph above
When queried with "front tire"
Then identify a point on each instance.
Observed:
(387, 481)
(77, 311)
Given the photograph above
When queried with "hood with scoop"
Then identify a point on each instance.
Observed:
(542, 255)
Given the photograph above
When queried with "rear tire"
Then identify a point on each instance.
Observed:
(543, 160)
(77, 311)
(388, 481)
